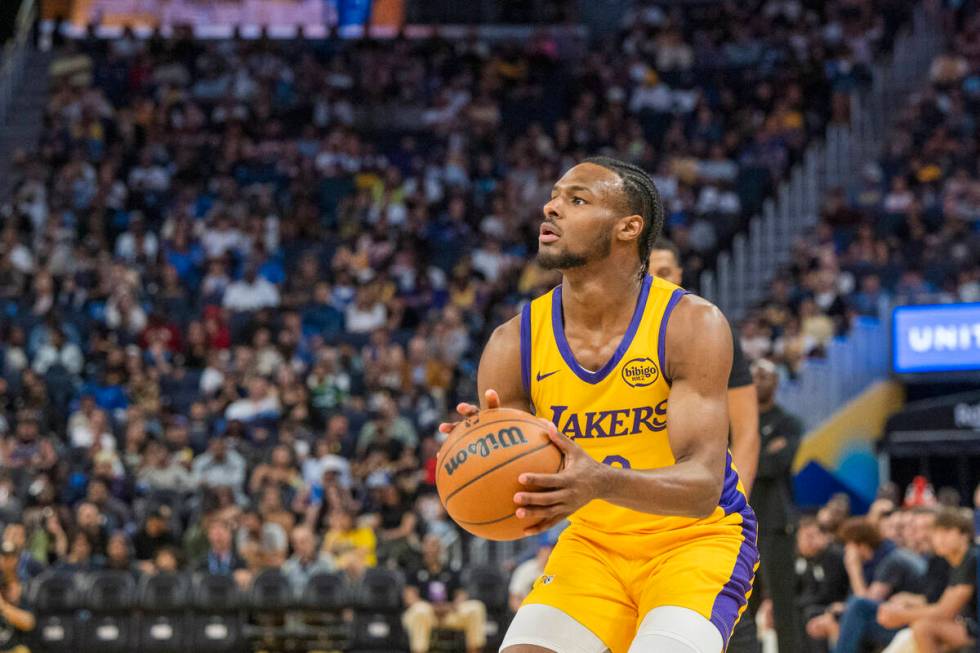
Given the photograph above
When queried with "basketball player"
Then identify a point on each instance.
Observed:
(631, 371)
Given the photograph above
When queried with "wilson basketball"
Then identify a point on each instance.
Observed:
(480, 462)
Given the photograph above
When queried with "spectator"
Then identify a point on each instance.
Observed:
(155, 535)
(306, 560)
(250, 293)
(221, 558)
(347, 543)
(950, 622)
(16, 620)
(876, 569)
(434, 596)
(220, 466)
(821, 580)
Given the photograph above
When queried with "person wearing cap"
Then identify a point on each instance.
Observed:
(15, 619)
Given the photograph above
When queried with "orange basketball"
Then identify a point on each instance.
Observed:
(478, 466)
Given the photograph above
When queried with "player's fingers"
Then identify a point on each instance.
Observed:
(538, 514)
(466, 409)
(493, 399)
(565, 445)
(447, 427)
(542, 481)
(540, 498)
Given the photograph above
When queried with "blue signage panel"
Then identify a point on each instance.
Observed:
(941, 338)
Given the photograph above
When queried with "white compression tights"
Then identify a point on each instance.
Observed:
(665, 629)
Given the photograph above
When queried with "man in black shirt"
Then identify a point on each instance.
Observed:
(949, 623)
(743, 414)
(434, 596)
(821, 579)
(772, 500)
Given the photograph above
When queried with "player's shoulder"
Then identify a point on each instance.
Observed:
(696, 311)
(505, 336)
(698, 331)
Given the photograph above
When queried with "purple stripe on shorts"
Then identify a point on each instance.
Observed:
(732, 597)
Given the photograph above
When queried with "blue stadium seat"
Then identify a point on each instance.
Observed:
(56, 599)
(163, 600)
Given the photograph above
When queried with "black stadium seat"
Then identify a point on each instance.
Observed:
(378, 608)
(270, 600)
(489, 585)
(110, 597)
(323, 605)
(163, 600)
(56, 598)
(216, 621)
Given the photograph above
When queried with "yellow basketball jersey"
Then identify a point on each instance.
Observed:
(618, 413)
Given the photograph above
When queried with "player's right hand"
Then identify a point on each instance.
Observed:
(469, 410)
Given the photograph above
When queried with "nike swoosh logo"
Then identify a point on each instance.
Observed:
(542, 377)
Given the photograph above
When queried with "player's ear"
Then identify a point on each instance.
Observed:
(630, 227)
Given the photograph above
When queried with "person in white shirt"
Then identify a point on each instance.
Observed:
(250, 293)
(261, 401)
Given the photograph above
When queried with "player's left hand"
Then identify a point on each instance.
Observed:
(553, 497)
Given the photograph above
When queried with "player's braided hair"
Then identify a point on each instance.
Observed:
(642, 198)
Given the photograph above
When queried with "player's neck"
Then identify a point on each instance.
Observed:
(596, 298)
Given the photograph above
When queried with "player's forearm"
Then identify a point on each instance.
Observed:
(686, 489)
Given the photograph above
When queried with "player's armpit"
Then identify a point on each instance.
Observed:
(500, 367)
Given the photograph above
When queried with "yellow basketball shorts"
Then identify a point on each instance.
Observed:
(609, 582)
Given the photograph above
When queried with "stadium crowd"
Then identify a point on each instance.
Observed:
(243, 281)
(908, 233)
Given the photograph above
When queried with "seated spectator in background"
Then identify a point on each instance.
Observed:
(250, 293)
(119, 555)
(950, 622)
(527, 572)
(876, 569)
(166, 561)
(306, 560)
(16, 621)
(80, 554)
(155, 535)
(220, 466)
(346, 541)
(27, 565)
(434, 597)
(821, 580)
(221, 558)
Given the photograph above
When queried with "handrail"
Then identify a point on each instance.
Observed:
(736, 283)
(14, 56)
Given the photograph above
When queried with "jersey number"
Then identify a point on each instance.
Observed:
(612, 461)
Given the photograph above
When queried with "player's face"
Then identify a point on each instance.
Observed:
(580, 218)
(663, 264)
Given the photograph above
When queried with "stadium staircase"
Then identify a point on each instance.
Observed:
(742, 274)
(23, 95)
